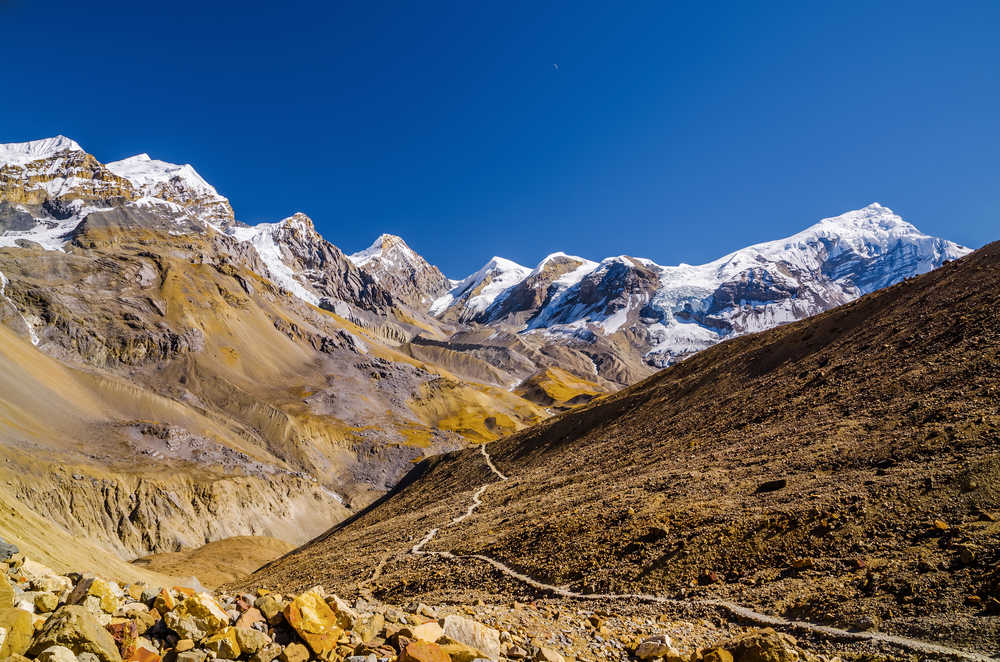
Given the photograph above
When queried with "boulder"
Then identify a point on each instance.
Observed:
(184, 645)
(164, 602)
(56, 654)
(192, 656)
(76, 628)
(294, 652)
(459, 652)
(370, 628)
(52, 584)
(6, 592)
(143, 654)
(653, 647)
(250, 641)
(223, 644)
(18, 630)
(124, 632)
(314, 621)
(465, 631)
(271, 607)
(427, 632)
(199, 616)
(346, 616)
(718, 655)
(765, 645)
(45, 602)
(268, 653)
(423, 651)
(546, 654)
(249, 617)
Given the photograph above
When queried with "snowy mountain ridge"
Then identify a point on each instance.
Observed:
(656, 314)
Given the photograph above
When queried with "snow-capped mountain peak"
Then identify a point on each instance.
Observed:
(180, 184)
(23, 153)
(148, 174)
(388, 247)
(476, 293)
(401, 270)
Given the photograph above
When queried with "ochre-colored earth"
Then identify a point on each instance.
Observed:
(844, 470)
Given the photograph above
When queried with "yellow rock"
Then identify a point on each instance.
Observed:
(102, 590)
(314, 621)
(718, 655)
(224, 644)
(430, 631)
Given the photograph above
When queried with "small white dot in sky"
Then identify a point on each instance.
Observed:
(556, 67)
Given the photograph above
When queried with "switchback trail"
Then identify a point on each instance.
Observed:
(738, 611)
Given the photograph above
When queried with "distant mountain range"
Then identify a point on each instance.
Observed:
(194, 341)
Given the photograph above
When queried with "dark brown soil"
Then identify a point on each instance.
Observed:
(882, 418)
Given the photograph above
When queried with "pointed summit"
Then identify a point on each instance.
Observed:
(396, 266)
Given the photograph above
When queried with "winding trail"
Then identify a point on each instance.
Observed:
(737, 611)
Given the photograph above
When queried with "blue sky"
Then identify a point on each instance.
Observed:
(674, 131)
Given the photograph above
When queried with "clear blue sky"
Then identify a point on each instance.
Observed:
(672, 131)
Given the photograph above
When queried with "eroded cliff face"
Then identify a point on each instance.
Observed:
(137, 515)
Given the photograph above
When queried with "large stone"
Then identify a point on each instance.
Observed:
(459, 652)
(6, 592)
(314, 622)
(223, 644)
(76, 628)
(249, 617)
(16, 630)
(143, 654)
(765, 645)
(192, 656)
(268, 653)
(164, 602)
(653, 647)
(465, 631)
(56, 654)
(251, 641)
(430, 631)
(271, 606)
(718, 655)
(124, 632)
(52, 583)
(346, 616)
(423, 651)
(197, 617)
(370, 628)
(546, 654)
(294, 652)
(45, 602)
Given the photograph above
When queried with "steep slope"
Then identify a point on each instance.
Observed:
(163, 382)
(843, 469)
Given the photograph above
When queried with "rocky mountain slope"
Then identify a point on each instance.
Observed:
(840, 470)
(163, 360)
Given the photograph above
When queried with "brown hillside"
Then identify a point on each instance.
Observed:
(879, 419)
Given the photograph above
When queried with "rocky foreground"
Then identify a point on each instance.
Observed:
(66, 618)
